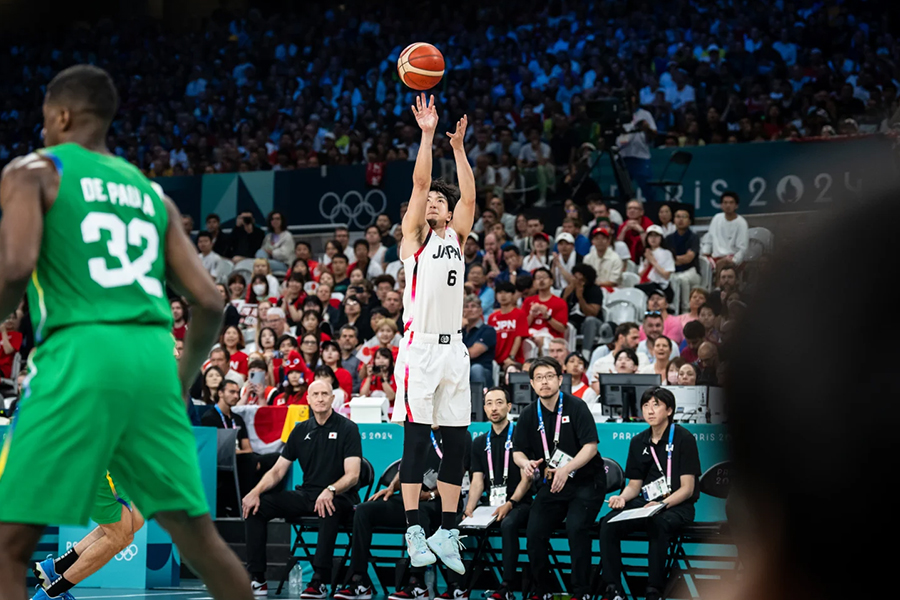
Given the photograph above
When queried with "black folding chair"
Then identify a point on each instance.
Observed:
(226, 460)
(679, 158)
(715, 482)
(310, 524)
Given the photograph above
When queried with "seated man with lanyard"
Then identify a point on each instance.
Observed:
(651, 481)
(385, 509)
(505, 488)
(571, 472)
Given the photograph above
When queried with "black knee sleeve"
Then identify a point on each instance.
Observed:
(416, 441)
(453, 440)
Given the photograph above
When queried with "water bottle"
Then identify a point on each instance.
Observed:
(295, 581)
(429, 581)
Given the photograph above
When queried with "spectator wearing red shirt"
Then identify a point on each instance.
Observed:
(180, 318)
(233, 340)
(381, 381)
(694, 335)
(10, 343)
(303, 252)
(297, 379)
(632, 230)
(511, 324)
(292, 298)
(331, 357)
(548, 315)
(312, 323)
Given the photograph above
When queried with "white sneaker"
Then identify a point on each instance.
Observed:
(446, 545)
(259, 589)
(419, 553)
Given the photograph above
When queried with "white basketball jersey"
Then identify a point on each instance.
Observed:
(433, 298)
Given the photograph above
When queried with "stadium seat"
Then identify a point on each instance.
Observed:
(571, 337)
(306, 525)
(225, 269)
(706, 273)
(529, 349)
(625, 304)
(629, 279)
(761, 242)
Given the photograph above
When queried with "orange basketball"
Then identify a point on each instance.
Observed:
(420, 66)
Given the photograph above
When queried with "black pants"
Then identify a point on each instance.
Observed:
(389, 513)
(660, 528)
(578, 506)
(510, 532)
(290, 505)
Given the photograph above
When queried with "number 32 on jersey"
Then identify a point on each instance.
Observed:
(135, 233)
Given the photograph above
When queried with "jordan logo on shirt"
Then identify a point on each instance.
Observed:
(307, 436)
(448, 252)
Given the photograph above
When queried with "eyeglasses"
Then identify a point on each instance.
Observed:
(652, 313)
(309, 342)
(543, 378)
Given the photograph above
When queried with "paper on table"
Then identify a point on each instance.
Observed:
(638, 513)
(481, 518)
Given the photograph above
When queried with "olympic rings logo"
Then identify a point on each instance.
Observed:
(352, 206)
(128, 553)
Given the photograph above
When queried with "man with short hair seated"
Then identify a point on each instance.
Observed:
(328, 449)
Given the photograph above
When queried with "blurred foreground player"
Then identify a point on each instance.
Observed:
(95, 243)
(432, 370)
(812, 446)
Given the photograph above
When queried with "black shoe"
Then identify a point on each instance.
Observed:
(316, 590)
(611, 593)
(502, 593)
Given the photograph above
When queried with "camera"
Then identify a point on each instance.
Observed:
(610, 113)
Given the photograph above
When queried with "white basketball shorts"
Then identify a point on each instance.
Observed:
(432, 375)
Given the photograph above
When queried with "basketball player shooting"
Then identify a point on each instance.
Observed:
(432, 367)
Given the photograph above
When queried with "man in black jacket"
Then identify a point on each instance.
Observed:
(556, 438)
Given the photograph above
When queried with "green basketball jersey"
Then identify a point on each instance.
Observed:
(103, 250)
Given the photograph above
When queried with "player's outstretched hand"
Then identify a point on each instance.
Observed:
(425, 113)
(457, 138)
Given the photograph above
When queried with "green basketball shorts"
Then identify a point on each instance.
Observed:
(108, 502)
(99, 398)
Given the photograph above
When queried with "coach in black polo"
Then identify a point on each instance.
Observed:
(329, 450)
(556, 438)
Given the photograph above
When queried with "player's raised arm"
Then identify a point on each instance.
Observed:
(28, 182)
(185, 273)
(414, 224)
(464, 214)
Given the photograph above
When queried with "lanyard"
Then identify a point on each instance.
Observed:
(224, 424)
(669, 448)
(555, 433)
(490, 457)
(436, 447)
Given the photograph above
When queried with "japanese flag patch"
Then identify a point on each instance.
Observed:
(565, 419)
(332, 435)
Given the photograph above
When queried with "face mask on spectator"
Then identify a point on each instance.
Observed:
(259, 289)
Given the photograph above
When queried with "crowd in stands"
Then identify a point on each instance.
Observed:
(248, 91)
(339, 315)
